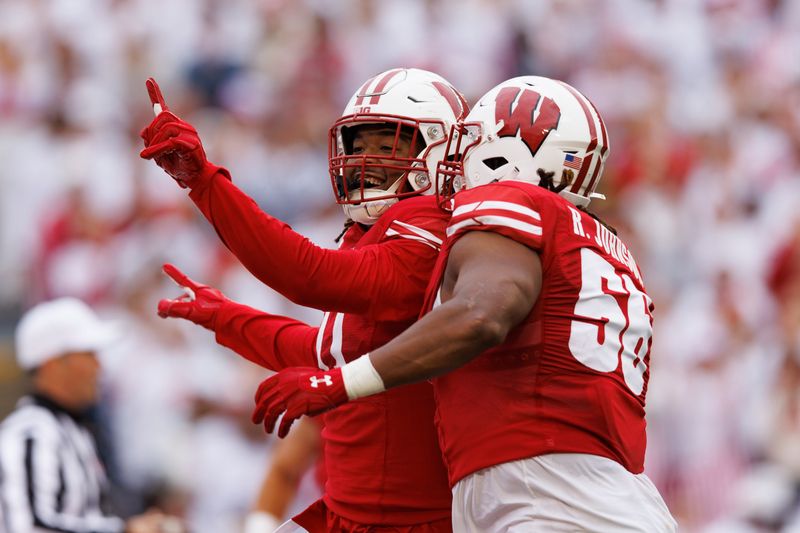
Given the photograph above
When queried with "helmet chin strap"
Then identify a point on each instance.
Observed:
(367, 212)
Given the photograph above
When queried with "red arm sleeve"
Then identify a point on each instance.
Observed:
(272, 341)
(367, 279)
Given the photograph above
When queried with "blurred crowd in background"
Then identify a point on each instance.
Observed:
(702, 103)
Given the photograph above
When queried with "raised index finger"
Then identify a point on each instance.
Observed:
(178, 277)
(156, 98)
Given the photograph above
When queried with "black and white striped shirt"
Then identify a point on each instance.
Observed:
(51, 478)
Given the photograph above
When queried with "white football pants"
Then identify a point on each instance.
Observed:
(559, 493)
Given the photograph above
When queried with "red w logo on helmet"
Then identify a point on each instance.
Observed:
(520, 119)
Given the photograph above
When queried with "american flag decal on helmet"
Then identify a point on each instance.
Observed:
(574, 162)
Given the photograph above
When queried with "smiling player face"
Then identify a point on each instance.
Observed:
(383, 145)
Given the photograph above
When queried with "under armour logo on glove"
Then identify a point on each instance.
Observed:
(294, 392)
(315, 381)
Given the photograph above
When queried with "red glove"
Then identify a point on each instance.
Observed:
(174, 144)
(199, 303)
(296, 392)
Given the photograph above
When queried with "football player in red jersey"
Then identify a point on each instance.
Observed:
(385, 468)
(538, 331)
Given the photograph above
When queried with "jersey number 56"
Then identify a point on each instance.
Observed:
(613, 323)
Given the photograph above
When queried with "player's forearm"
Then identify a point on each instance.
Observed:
(277, 255)
(271, 341)
(279, 490)
(448, 337)
(486, 302)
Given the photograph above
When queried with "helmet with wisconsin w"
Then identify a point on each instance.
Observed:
(389, 140)
(532, 129)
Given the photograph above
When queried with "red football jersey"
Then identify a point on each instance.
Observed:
(382, 451)
(572, 377)
(383, 462)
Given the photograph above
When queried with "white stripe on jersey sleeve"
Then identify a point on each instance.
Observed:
(496, 221)
(391, 233)
(419, 231)
(438, 301)
(498, 206)
(336, 340)
(320, 336)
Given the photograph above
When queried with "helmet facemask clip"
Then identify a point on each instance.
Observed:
(450, 170)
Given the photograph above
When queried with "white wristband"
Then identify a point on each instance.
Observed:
(361, 379)
(261, 522)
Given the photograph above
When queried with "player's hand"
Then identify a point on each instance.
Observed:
(199, 303)
(173, 143)
(295, 392)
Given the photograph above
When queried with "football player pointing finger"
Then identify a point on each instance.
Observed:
(156, 98)
(383, 152)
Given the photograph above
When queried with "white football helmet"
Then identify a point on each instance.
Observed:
(532, 129)
(410, 101)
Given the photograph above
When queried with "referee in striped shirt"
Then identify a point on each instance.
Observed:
(51, 478)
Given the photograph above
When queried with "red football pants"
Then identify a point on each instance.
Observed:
(317, 518)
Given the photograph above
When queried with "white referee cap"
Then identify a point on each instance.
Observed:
(52, 329)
